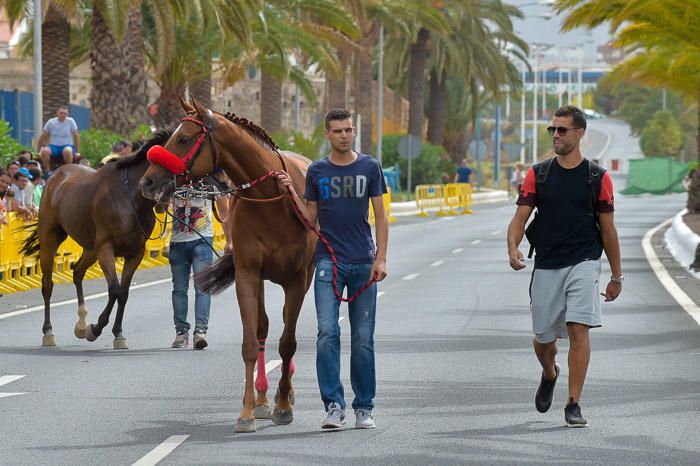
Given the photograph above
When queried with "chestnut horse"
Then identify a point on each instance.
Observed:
(269, 240)
(104, 212)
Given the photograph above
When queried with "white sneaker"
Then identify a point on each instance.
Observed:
(364, 419)
(335, 417)
(182, 340)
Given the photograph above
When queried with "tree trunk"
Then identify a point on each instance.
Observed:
(137, 101)
(363, 96)
(335, 88)
(270, 103)
(110, 84)
(694, 188)
(169, 109)
(416, 83)
(55, 44)
(437, 109)
(200, 88)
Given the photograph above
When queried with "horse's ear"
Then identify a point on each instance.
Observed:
(199, 108)
(185, 106)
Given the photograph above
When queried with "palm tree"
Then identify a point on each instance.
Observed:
(57, 17)
(665, 36)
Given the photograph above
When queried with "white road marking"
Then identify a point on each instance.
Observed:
(380, 293)
(662, 274)
(341, 318)
(497, 232)
(156, 455)
(75, 301)
(476, 241)
(5, 379)
(457, 251)
(436, 263)
(271, 365)
(410, 276)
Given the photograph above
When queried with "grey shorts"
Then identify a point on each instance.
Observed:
(559, 296)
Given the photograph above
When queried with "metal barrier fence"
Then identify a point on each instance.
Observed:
(18, 273)
(449, 199)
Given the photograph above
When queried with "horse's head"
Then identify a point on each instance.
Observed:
(188, 153)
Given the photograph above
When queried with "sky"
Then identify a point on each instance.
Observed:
(534, 29)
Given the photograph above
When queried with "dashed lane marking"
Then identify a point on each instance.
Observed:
(457, 251)
(476, 241)
(497, 232)
(380, 293)
(410, 276)
(437, 263)
(665, 278)
(5, 379)
(156, 455)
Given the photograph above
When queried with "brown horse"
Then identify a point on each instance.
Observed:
(269, 240)
(104, 212)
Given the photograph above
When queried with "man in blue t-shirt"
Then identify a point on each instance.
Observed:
(61, 134)
(463, 172)
(339, 188)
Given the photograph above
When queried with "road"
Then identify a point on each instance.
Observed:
(456, 372)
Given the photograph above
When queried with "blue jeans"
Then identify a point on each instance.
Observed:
(184, 258)
(362, 318)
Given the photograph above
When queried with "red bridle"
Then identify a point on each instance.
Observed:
(159, 155)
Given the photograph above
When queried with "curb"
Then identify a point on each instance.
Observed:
(401, 209)
(681, 242)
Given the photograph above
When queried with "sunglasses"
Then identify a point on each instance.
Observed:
(559, 129)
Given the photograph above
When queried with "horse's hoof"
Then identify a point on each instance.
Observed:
(282, 416)
(79, 331)
(89, 336)
(121, 343)
(245, 425)
(291, 396)
(262, 412)
(48, 340)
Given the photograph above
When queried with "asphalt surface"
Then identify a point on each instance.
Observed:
(456, 372)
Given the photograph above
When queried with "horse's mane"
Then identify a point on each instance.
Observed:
(254, 130)
(159, 138)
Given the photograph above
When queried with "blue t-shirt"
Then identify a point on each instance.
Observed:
(343, 194)
(464, 173)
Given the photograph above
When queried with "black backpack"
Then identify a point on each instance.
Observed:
(595, 181)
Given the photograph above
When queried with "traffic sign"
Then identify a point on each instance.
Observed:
(410, 147)
(478, 152)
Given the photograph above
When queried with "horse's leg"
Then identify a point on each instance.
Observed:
(262, 406)
(248, 286)
(131, 263)
(86, 260)
(293, 299)
(49, 245)
(105, 257)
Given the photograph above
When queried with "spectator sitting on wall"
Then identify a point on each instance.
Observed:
(61, 133)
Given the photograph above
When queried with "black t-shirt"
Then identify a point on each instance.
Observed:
(567, 232)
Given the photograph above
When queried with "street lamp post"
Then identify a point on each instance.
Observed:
(534, 110)
(38, 91)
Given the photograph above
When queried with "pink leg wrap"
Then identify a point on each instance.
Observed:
(261, 383)
(291, 368)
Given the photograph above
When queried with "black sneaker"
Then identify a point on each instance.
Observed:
(572, 415)
(545, 392)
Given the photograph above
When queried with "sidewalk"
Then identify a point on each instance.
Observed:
(485, 196)
(683, 237)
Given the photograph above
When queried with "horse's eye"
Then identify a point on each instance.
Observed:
(183, 140)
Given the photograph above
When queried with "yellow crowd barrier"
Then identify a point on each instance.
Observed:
(449, 199)
(18, 273)
(430, 196)
(386, 200)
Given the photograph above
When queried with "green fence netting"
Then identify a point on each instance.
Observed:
(655, 175)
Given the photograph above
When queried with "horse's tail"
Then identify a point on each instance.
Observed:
(218, 276)
(30, 246)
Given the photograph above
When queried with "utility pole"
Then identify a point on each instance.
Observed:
(380, 89)
(38, 89)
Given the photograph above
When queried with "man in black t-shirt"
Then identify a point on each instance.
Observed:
(571, 235)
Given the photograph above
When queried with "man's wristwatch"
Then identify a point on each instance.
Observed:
(619, 279)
